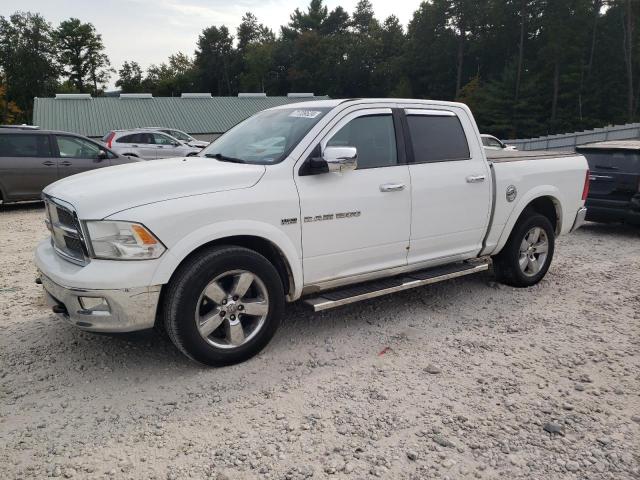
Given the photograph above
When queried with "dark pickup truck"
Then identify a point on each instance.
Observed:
(614, 194)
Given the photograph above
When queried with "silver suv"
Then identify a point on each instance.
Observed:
(180, 135)
(147, 144)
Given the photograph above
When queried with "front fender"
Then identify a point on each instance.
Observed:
(217, 231)
(536, 192)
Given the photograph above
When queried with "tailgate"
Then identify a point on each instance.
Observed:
(615, 174)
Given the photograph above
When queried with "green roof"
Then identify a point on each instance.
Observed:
(94, 117)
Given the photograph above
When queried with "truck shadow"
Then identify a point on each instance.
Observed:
(21, 206)
(610, 230)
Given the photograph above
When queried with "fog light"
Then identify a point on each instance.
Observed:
(94, 304)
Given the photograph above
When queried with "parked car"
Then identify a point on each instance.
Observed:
(493, 143)
(615, 181)
(182, 136)
(368, 197)
(31, 159)
(147, 144)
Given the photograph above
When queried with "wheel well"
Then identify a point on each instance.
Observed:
(259, 245)
(550, 208)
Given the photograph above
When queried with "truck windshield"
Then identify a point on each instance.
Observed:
(266, 138)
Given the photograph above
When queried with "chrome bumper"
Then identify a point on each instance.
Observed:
(580, 218)
(125, 310)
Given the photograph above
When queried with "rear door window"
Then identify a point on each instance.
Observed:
(24, 145)
(437, 138)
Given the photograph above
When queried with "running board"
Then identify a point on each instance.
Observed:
(365, 291)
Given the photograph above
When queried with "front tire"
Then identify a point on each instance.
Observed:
(223, 305)
(527, 255)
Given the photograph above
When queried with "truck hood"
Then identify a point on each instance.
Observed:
(99, 193)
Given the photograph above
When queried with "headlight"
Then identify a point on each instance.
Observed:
(123, 241)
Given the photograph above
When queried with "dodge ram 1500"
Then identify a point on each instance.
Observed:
(330, 202)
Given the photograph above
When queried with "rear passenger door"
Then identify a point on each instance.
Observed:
(77, 155)
(450, 184)
(26, 165)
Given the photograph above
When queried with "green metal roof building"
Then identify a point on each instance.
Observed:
(201, 115)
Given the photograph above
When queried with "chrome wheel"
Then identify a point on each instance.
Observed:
(232, 309)
(533, 251)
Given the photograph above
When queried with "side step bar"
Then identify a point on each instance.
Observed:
(365, 291)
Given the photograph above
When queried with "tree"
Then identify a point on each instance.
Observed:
(130, 78)
(81, 53)
(176, 76)
(28, 60)
(213, 59)
(9, 111)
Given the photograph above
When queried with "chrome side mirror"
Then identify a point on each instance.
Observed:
(340, 159)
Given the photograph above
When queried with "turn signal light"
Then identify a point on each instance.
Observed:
(143, 235)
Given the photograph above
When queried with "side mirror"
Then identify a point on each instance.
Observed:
(175, 144)
(102, 155)
(340, 159)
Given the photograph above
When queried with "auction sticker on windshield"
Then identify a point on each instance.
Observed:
(305, 113)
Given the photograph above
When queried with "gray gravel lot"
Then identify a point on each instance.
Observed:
(466, 379)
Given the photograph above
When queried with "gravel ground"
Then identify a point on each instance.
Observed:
(466, 379)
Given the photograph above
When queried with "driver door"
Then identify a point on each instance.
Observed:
(357, 221)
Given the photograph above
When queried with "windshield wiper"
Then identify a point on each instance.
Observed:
(224, 158)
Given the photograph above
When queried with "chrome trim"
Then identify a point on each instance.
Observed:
(426, 111)
(387, 272)
(581, 216)
(130, 309)
(476, 178)
(392, 187)
(60, 229)
(319, 304)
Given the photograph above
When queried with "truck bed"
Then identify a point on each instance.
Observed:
(500, 156)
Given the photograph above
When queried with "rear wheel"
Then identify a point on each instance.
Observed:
(224, 305)
(527, 255)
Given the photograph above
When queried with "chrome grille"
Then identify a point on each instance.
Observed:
(66, 234)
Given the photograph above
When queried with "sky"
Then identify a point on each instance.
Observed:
(148, 31)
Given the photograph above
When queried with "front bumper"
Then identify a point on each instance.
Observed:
(580, 219)
(124, 310)
(129, 300)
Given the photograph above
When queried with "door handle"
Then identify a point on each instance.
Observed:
(392, 187)
(48, 163)
(476, 178)
(65, 164)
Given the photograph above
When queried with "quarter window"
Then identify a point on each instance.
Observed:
(24, 145)
(437, 138)
(374, 138)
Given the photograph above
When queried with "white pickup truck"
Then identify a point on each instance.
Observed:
(331, 202)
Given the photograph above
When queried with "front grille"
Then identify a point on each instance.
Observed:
(66, 234)
(65, 217)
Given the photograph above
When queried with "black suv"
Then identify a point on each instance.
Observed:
(614, 194)
(31, 159)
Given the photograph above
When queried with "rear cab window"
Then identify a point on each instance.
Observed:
(436, 136)
(24, 145)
